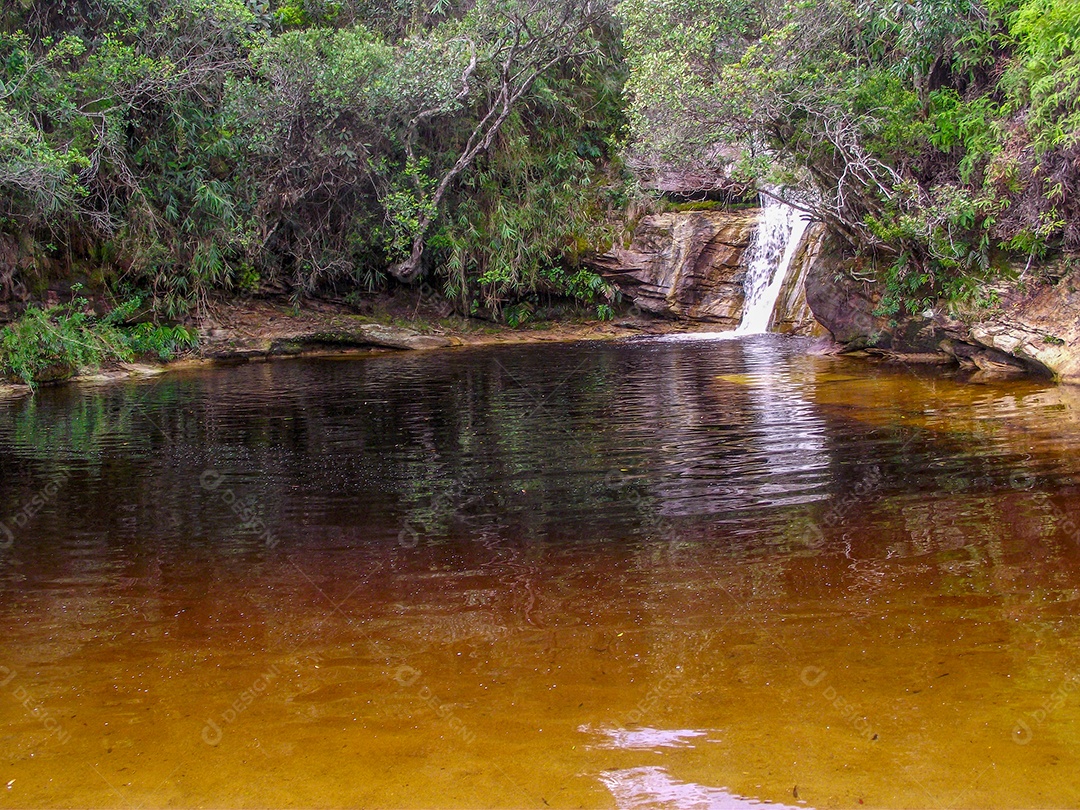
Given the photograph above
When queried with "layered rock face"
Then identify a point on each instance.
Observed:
(687, 264)
(792, 314)
(1042, 326)
(1034, 329)
(692, 265)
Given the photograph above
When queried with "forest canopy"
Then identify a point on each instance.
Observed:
(185, 148)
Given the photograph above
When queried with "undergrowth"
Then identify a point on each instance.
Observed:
(58, 341)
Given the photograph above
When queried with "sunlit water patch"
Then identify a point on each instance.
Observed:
(653, 787)
(644, 738)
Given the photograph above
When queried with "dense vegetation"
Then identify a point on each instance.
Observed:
(173, 150)
(938, 136)
(180, 148)
(57, 341)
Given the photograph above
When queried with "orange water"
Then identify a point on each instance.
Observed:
(637, 575)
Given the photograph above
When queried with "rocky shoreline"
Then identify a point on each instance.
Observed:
(691, 265)
(680, 271)
(261, 330)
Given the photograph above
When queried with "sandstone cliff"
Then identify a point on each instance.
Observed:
(687, 264)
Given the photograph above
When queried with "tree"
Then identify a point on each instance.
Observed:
(511, 44)
(189, 146)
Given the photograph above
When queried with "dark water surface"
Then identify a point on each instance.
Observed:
(680, 574)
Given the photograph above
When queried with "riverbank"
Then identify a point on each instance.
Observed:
(255, 330)
(259, 330)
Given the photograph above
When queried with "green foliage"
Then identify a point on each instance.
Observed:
(1045, 76)
(162, 341)
(57, 341)
(39, 178)
(518, 314)
(218, 146)
(530, 209)
(222, 146)
(932, 134)
(407, 202)
(354, 138)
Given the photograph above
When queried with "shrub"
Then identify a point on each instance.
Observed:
(53, 343)
(58, 341)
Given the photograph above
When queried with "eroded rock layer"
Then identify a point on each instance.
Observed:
(686, 264)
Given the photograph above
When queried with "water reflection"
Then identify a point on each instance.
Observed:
(644, 738)
(536, 575)
(653, 787)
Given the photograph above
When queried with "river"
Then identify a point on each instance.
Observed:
(651, 573)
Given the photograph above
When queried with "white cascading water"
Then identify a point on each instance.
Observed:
(769, 260)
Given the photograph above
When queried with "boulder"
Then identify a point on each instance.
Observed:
(842, 300)
(291, 338)
(390, 337)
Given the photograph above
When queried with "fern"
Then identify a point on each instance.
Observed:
(57, 342)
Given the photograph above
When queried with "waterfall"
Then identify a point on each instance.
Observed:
(769, 260)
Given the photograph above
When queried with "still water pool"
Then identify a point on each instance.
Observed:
(641, 574)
